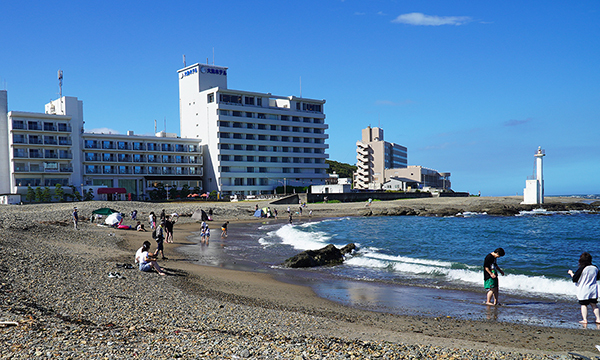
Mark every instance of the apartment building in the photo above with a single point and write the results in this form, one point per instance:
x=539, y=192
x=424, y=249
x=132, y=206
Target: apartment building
x=373, y=156
x=45, y=149
x=254, y=141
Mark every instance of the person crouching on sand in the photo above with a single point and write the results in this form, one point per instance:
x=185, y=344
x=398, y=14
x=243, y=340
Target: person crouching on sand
x=147, y=261
x=586, y=278
x=490, y=276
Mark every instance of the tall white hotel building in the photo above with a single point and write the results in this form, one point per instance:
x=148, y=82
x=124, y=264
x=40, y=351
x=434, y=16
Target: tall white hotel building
x=254, y=141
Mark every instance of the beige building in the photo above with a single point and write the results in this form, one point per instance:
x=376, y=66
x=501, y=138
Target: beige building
x=380, y=161
x=374, y=156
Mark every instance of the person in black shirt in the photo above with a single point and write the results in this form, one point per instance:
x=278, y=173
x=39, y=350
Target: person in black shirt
x=490, y=276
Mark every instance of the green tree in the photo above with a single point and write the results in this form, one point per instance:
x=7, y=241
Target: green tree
x=213, y=195
x=59, y=193
x=185, y=191
x=30, y=196
x=343, y=170
x=88, y=195
x=76, y=195
x=39, y=197
x=46, y=196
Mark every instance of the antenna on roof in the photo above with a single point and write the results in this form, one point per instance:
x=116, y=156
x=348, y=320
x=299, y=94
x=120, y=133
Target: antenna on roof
x=206, y=61
x=154, y=126
x=60, y=79
x=213, y=55
x=184, y=60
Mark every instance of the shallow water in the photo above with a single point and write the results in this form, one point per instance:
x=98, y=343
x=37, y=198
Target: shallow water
x=428, y=266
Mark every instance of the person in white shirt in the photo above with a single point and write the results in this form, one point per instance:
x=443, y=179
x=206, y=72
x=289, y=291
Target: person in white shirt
x=586, y=278
x=145, y=260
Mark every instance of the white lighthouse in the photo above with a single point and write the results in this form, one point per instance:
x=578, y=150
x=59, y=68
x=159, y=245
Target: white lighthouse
x=534, y=186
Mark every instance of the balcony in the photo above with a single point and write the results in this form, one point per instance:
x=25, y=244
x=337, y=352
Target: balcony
x=66, y=169
x=35, y=141
x=18, y=126
x=50, y=142
x=51, y=156
x=34, y=126
x=93, y=171
x=65, y=142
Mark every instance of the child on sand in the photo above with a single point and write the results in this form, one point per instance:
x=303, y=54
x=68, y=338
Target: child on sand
x=490, y=276
x=586, y=278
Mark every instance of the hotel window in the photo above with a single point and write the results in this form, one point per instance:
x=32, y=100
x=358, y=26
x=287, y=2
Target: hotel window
x=295, y=118
x=285, y=128
x=262, y=148
x=223, y=112
x=237, y=136
x=273, y=159
x=250, y=169
x=249, y=100
x=273, y=127
x=285, y=170
x=237, y=147
x=251, y=181
x=18, y=139
x=285, y=138
x=18, y=124
x=297, y=106
x=285, y=118
x=261, y=116
x=233, y=99
x=224, y=146
x=249, y=137
x=249, y=115
x=210, y=97
x=262, y=159
x=311, y=107
x=250, y=158
x=237, y=113
x=238, y=181
x=262, y=137
x=259, y=101
x=222, y=136
x=250, y=147
x=224, y=157
x=262, y=169
x=238, y=158
x=224, y=168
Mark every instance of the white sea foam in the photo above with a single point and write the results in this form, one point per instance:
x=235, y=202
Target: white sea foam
x=302, y=240
x=472, y=275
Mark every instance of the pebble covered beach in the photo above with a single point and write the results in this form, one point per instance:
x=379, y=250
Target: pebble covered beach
x=57, y=301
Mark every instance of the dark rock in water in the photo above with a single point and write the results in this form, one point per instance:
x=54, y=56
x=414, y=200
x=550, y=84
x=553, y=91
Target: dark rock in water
x=327, y=256
x=502, y=211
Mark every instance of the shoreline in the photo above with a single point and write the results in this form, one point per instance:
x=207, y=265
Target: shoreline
x=217, y=296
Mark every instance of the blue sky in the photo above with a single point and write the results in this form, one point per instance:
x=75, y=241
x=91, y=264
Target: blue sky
x=470, y=87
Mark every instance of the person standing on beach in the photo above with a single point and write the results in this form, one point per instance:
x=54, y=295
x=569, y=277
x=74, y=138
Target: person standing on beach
x=134, y=215
x=224, y=229
x=160, y=238
x=490, y=275
x=586, y=278
x=145, y=260
x=75, y=217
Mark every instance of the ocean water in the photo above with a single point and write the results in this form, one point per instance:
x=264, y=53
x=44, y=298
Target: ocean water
x=433, y=266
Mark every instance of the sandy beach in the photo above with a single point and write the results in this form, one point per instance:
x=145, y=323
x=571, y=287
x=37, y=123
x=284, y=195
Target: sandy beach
x=58, y=301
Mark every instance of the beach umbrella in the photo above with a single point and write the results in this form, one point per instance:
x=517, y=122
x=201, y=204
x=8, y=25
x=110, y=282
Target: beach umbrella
x=113, y=219
x=104, y=211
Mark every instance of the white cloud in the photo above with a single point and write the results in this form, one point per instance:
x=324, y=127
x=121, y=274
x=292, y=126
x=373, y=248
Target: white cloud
x=103, y=131
x=430, y=20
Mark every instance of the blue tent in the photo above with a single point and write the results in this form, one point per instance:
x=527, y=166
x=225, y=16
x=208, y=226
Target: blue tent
x=258, y=213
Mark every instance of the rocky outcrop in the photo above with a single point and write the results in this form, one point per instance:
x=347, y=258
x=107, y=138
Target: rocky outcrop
x=327, y=256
